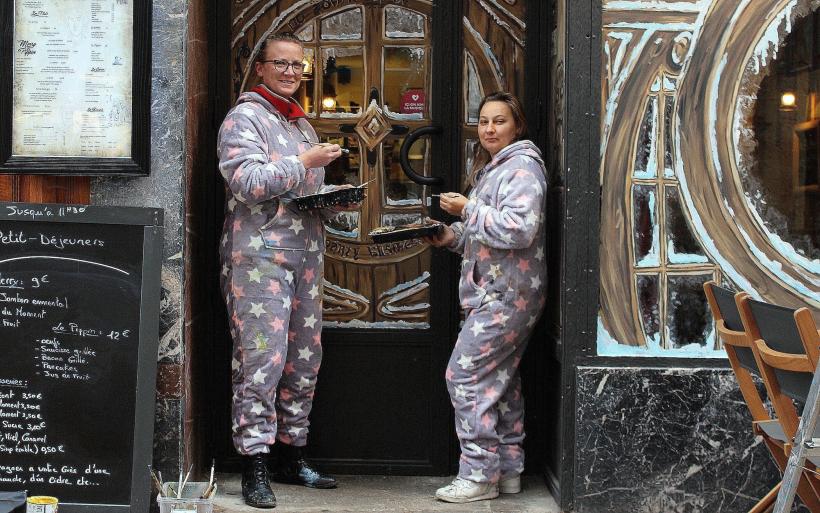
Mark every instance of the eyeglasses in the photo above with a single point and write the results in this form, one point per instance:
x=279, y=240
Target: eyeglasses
x=282, y=66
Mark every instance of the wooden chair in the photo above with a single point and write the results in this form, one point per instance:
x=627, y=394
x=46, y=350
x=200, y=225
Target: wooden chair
x=739, y=350
x=786, y=347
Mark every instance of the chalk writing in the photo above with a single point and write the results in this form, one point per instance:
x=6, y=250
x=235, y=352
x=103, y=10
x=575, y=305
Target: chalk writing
x=43, y=212
x=70, y=294
x=23, y=431
x=22, y=425
x=79, y=260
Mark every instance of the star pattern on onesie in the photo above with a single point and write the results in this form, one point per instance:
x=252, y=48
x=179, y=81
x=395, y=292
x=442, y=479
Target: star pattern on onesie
x=502, y=289
x=271, y=276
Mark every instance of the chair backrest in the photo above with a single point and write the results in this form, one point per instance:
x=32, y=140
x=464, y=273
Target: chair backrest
x=729, y=325
x=779, y=332
x=737, y=344
x=785, y=356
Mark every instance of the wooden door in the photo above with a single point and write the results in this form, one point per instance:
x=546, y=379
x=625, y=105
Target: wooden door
x=377, y=71
x=365, y=87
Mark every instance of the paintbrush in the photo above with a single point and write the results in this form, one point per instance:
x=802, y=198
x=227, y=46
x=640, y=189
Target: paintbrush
x=208, y=490
x=155, y=479
x=179, y=492
x=344, y=150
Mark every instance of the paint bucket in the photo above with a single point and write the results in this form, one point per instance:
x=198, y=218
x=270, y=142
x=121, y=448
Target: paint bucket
x=41, y=504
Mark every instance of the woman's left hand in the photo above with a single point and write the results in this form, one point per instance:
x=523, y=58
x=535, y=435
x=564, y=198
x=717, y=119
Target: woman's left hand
x=443, y=239
x=452, y=203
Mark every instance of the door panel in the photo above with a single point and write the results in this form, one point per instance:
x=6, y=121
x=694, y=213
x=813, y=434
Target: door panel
x=368, y=84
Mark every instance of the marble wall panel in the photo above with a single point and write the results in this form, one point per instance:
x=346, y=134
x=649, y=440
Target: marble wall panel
x=167, y=455
x=653, y=440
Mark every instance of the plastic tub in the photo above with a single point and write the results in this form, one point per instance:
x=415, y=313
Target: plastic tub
x=190, y=501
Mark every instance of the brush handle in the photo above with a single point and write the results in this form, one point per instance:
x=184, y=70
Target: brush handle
x=343, y=150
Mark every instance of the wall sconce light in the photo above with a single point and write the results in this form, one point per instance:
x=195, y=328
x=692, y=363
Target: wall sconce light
x=788, y=101
x=328, y=102
x=307, y=70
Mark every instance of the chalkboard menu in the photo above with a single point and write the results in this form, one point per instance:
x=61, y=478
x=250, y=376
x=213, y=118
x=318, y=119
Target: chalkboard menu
x=79, y=308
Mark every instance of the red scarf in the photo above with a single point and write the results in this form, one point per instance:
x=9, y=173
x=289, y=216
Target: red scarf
x=288, y=108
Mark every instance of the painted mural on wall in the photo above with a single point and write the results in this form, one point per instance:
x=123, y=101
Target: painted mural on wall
x=368, y=81
x=709, y=165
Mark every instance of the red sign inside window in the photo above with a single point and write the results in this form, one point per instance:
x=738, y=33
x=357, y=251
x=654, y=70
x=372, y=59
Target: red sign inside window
x=412, y=102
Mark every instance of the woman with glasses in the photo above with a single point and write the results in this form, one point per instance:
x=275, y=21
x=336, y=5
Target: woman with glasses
x=501, y=237
x=272, y=270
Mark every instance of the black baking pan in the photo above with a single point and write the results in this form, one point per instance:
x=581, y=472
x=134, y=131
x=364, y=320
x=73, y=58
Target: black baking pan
x=405, y=231
x=330, y=199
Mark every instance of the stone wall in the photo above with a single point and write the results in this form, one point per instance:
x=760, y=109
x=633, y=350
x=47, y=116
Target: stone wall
x=164, y=189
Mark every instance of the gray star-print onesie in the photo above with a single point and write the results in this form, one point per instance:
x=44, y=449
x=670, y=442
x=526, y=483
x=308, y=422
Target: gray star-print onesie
x=272, y=270
x=501, y=290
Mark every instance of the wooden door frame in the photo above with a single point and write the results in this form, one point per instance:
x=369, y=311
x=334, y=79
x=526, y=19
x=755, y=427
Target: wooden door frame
x=220, y=85
x=579, y=266
x=579, y=131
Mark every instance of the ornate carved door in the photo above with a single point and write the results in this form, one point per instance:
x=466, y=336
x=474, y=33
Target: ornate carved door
x=366, y=85
x=379, y=73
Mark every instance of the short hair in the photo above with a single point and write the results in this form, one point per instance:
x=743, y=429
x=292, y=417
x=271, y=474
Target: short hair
x=287, y=37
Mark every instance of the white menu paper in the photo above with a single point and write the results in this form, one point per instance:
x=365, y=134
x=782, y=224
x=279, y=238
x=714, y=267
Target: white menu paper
x=72, y=78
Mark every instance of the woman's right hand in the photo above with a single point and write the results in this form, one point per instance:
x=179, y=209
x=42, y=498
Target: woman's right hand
x=452, y=203
x=444, y=239
x=320, y=155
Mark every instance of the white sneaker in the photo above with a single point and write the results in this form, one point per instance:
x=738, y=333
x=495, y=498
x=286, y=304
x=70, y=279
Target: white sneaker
x=462, y=490
x=510, y=485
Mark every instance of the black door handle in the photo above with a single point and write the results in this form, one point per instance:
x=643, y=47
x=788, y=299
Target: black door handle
x=405, y=162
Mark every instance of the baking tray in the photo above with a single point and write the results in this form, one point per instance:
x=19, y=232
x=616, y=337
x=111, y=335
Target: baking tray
x=330, y=199
x=405, y=232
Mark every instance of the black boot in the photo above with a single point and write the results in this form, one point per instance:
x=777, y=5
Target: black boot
x=292, y=468
x=255, y=482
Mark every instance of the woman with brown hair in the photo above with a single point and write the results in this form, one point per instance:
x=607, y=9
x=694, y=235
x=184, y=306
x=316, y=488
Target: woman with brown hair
x=501, y=238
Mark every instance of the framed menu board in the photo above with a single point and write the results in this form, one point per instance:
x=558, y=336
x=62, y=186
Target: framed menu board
x=78, y=101
x=79, y=321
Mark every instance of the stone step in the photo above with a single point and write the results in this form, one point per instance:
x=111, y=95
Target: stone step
x=382, y=494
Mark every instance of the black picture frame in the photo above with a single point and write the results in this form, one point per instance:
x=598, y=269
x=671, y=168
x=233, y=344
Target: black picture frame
x=137, y=164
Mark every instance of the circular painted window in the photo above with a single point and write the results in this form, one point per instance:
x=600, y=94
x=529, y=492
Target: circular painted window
x=779, y=138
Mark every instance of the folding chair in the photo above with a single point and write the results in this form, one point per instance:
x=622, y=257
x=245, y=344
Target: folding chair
x=741, y=358
x=786, y=347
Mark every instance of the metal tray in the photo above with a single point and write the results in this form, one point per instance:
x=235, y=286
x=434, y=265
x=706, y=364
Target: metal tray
x=405, y=232
x=330, y=199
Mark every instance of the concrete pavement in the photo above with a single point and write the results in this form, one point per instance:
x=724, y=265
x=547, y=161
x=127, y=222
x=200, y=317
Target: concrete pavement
x=382, y=494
